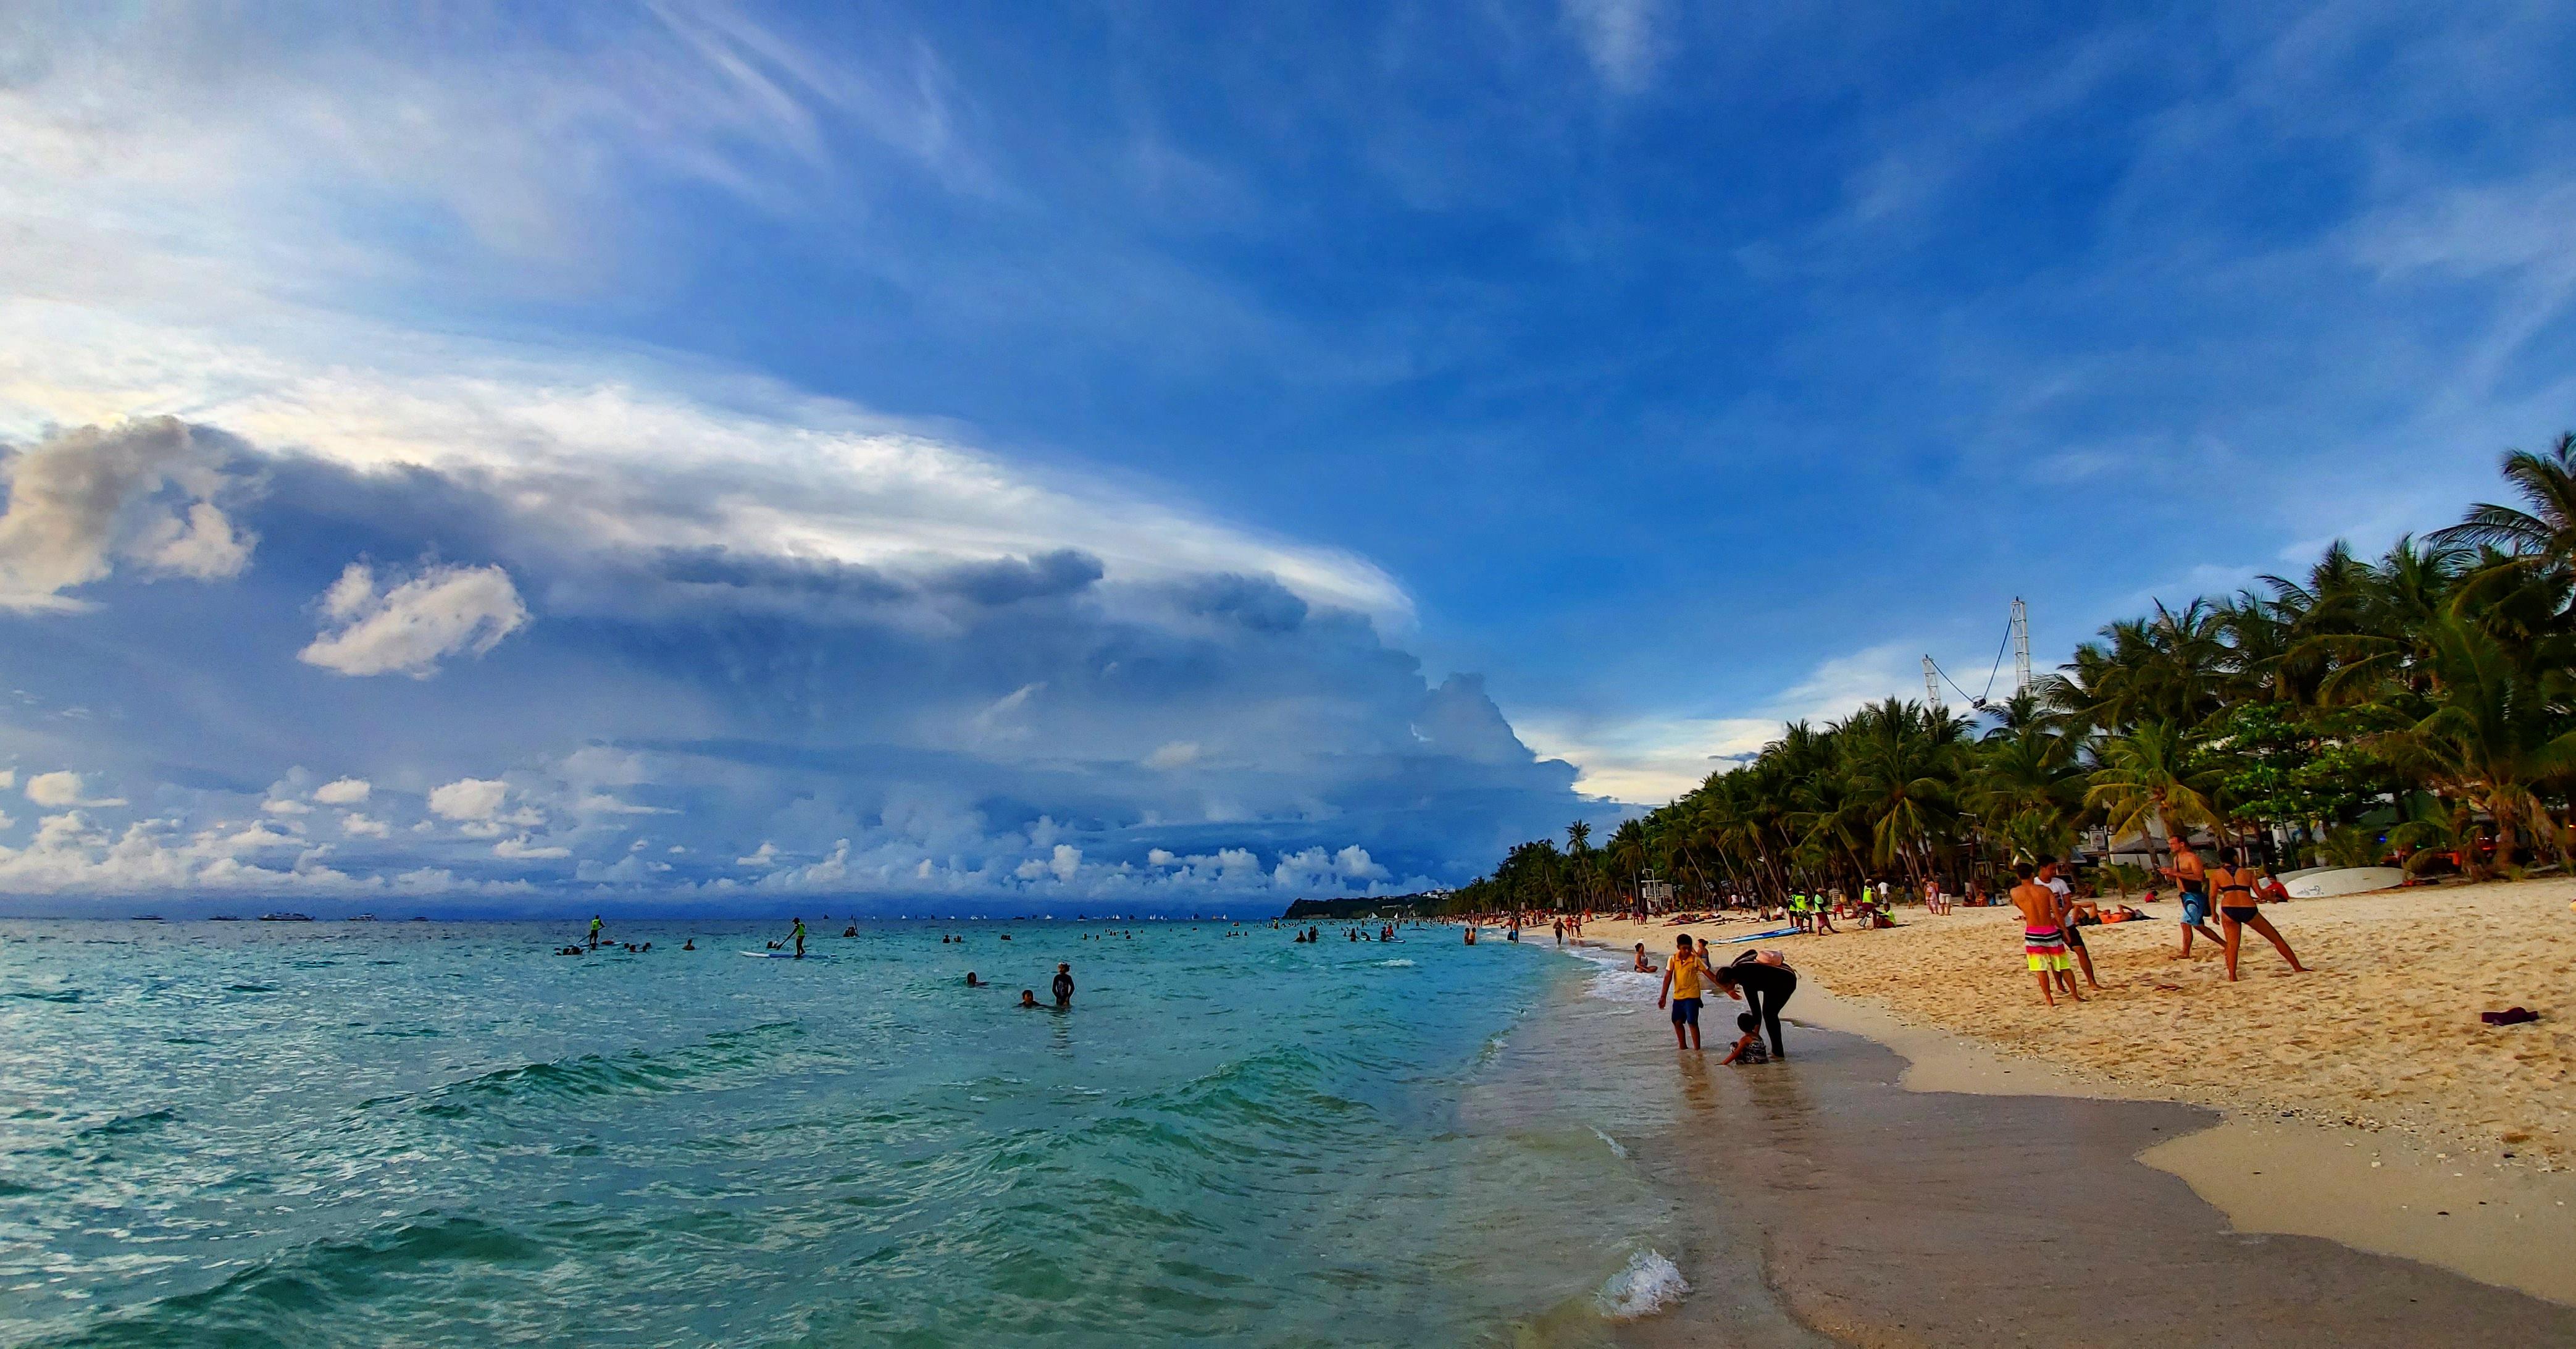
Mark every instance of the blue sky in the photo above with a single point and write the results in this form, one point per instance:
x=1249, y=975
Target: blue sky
x=1132, y=457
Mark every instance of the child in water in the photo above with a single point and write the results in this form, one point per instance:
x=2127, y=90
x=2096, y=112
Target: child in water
x=1749, y=1049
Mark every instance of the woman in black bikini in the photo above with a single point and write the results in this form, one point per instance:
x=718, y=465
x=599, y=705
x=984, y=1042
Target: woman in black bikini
x=2236, y=912
x=1765, y=988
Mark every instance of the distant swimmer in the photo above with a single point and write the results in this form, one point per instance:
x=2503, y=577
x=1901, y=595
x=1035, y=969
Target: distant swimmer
x=1028, y=997
x=690, y=945
x=972, y=981
x=851, y=931
x=1471, y=934
x=1063, y=985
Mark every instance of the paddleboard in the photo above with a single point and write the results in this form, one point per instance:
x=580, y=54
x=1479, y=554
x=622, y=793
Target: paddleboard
x=1758, y=936
x=768, y=955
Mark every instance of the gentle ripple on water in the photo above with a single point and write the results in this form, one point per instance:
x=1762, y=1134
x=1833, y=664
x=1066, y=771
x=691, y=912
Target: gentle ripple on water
x=442, y=1134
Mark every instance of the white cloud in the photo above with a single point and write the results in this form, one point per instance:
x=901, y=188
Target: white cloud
x=1177, y=754
x=416, y=624
x=468, y=798
x=519, y=849
x=343, y=792
x=56, y=790
x=83, y=498
x=8, y=778
x=591, y=447
x=1618, y=38
x=766, y=855
x=360, y=826
x=1647, y=760
x=1650, y=760
x=286, y=807
x=1161, y=857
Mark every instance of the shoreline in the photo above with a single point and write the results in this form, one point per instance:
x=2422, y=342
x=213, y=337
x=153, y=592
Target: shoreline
x=2353, y=1181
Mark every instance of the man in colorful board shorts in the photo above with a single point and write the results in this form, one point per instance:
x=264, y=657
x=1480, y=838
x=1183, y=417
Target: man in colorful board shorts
x=2043, y=936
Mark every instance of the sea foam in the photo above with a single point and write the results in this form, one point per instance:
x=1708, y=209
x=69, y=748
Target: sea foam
x=1647, y=1285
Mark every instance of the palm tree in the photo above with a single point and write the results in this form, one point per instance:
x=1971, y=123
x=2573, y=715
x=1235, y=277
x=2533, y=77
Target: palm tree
x=2148, y=777
x=2493, y=732
x=2543, y=535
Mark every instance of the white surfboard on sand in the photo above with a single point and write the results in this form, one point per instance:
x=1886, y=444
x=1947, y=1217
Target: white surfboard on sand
x=2327, y=882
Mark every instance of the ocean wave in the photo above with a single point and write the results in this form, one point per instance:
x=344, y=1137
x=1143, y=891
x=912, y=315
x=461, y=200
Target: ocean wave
x=597, y=1075
x=1648, y=1284
x=1615, y=1149
x=303, y=1295
x=1397, y=964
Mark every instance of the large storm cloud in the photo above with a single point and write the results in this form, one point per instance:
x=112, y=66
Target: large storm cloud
x=533, y=683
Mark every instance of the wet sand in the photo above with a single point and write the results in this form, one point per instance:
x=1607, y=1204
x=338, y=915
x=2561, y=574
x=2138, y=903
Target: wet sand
x=1895, y=1217
x=1831, y=1203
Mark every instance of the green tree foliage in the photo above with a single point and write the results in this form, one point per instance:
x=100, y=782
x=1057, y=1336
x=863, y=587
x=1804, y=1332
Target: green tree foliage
x=2434, y=687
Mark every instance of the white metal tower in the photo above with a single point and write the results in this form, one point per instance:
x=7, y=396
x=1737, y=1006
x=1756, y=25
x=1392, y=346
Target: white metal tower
x=1931, y=682
x=2021, y=646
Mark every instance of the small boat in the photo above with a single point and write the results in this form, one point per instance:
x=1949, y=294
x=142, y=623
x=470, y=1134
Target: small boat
x=286, y=918
x=224, y=918
x=147, y=918
x=360, y=918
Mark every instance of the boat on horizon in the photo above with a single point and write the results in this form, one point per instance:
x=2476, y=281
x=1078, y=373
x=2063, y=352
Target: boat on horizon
x=224, y=918
x=148, y=918
x=286, y=918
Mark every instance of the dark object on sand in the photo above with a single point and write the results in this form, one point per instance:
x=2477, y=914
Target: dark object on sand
x=2511, y=1016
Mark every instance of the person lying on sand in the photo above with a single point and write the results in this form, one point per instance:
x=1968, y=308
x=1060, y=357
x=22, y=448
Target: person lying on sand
x=2043, y=938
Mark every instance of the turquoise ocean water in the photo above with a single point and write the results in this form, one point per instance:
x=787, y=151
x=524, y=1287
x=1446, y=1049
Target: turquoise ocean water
x=407, y=1133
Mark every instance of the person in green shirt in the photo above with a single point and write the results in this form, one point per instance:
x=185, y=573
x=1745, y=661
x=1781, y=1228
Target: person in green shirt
x=594, y=931
x=798, y=936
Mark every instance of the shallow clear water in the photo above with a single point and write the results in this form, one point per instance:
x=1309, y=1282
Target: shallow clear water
x=444, y=1134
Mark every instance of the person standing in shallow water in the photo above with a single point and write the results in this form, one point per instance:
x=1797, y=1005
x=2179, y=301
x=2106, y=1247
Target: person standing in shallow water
x=1063, y=985
x=1682, y=976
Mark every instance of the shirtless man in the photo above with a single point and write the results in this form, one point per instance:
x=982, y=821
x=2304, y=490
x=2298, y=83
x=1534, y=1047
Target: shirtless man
x=2066, y=910
x=2193, y=877
x=2043, y=936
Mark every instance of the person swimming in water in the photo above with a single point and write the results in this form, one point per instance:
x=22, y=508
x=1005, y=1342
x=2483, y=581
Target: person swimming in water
x=971, y=981
x=1028, y=997
x=690, y=945
x=1063, y=985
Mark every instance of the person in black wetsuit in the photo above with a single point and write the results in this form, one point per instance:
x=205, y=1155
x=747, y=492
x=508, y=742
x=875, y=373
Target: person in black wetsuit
x=1766, y=988
x=1064, y=985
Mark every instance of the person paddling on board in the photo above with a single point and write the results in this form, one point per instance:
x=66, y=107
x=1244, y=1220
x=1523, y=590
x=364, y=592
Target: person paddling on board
x=595, y=925
x=798, y=936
